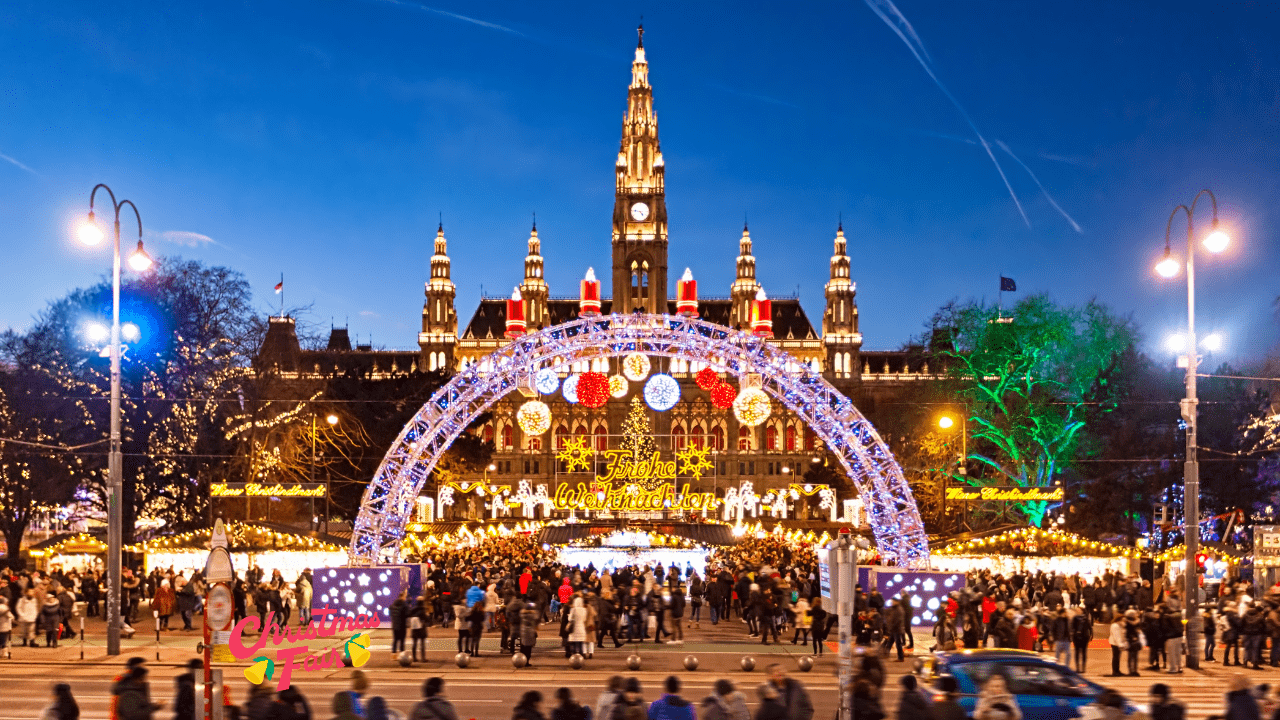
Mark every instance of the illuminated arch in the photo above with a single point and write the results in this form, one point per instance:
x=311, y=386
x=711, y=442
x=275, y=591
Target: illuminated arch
x=388, y=501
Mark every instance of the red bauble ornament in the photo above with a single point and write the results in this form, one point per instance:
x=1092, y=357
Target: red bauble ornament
x=593, y=389
x=707, y=378
x=723, y=395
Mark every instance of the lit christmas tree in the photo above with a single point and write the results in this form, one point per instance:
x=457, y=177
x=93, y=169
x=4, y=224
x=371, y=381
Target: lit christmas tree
x=637, y=436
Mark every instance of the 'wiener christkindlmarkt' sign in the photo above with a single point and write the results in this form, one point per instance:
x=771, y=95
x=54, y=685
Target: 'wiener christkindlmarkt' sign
x=1007, y=494
x=303, y=490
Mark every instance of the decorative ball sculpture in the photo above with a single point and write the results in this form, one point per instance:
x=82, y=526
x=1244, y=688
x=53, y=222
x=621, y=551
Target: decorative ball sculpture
x=519, y=660
x=748, y=663
x=662, y=392
x=752, y=407
x=462, y=660
x=690, y=663
x=723, y=395
x=546, y=381
x=636, y=366
x=569, y=389
x=593, y=389
x=633, y=662
x=806, y=663
x=576, y=662
x=618, y=386
x=707, y=378
x=534, y=417
x=404, y=659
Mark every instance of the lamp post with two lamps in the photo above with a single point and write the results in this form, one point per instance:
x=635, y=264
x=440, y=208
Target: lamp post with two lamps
x=91, y=234
x=332, y=420
x=1215, y=242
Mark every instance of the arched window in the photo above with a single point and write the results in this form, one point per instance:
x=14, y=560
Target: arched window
x=562, y=434
x=677, y=437
x=791, y=438
x=580, y=430
x=696, y=437
x=771, y=438
x=810, y=439
x=507, y=443
x=717, y=438
x=744, y=438
x=488, y=433
x=535, y=443
x=602, y=438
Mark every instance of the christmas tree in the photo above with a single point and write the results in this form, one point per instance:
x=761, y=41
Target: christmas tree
x=637, y=436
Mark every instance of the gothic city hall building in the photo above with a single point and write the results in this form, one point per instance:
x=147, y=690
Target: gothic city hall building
x=771, y=455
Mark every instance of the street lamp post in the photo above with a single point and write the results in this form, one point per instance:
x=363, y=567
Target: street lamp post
x=332, y=420
x=946, y=422
x=1168, y=267
x=90, y=234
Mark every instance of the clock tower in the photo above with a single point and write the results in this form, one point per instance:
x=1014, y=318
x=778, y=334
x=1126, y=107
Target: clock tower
x=640, y=210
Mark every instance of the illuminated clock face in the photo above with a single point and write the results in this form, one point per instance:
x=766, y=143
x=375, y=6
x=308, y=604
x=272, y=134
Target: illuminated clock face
x=640, y=211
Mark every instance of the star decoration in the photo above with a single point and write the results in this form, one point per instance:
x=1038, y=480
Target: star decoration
x=694, y=461
x=576, y=453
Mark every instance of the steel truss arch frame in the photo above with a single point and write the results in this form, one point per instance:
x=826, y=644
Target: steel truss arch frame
x=389, y=500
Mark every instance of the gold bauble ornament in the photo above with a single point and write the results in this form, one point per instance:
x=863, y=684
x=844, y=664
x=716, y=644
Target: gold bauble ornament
x=618, y=386
x=636, y=366
x=534, y=417
x=752, y=407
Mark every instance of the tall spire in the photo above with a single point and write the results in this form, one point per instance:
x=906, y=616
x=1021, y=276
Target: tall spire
x=744, y=288
x=534, y=287
x=439, y=319
x=640, y=157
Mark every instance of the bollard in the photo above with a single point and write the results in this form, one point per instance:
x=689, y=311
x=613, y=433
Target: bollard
x=81, y=638
x=157, y=614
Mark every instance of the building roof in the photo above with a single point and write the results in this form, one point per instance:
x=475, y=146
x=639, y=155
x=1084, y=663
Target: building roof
x=789, y=319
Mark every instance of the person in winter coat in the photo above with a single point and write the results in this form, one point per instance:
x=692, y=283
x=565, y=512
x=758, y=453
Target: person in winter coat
x=164, y=603
x=671, y=706
x=342, y=709
x=630, y=705
x=399, y=612
x=418, y=627
x=27, y=611
x=6, y=622
x=64, y=706
x=791, y=694
x=912, y=704
x=577, y=622
x=803, y=621
x=1241, y=705
x=302, y=590
x=675, y=610
x=771, y=708
x=1253, y=630
x=433, y=705
x=292, y=705
x=567, y=708
x=529, y=618
x=1081, y=630
x=529, y=707
x=184, y=692
x=725, y=703
x=476, y=620
x=511, y=633
x=51, y=620
x=995, y=702
x=609, y=697
x=260, y=705
x=133, y=696
x=866, y=706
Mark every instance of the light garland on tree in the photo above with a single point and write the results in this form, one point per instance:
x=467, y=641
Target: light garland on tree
x=707, y=378
x=752, y=407
x=569, y=389
x=546, y=381
x=593, y=389
x=662, y=392
x=534, y=417
x=723, y=395
x=618, y=386
x=636, y=366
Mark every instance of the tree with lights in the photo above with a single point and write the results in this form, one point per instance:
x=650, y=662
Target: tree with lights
x=1026, y=375
x=637, y=435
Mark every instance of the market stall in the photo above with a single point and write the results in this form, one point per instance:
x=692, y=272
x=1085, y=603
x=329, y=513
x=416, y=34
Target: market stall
x=1029, y=550
x=270, y=547
x=70, y=551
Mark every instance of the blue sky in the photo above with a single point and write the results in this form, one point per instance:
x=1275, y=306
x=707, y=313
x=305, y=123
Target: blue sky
x=322, y=139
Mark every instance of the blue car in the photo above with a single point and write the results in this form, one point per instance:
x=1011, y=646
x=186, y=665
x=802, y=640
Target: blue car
x=1045, y=690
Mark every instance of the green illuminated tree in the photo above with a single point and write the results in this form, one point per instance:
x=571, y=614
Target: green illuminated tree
x=1027, y=376
x=637, y=435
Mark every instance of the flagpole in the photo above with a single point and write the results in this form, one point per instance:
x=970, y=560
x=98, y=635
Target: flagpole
x=999, y=301
x=282, y=296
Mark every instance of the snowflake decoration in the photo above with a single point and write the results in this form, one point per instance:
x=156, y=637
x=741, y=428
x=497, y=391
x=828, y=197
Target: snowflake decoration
x=694, y=461
x=576, y=453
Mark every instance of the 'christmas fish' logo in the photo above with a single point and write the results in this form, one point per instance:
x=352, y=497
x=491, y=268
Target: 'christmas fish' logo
x=354, y=651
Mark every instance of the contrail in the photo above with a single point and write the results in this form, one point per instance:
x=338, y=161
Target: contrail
x=15, y=162
x=455, y=16
x=879, y=7
x=1049, y=197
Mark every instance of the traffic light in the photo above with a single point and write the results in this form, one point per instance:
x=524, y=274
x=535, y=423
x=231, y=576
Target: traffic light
x=1200, y=560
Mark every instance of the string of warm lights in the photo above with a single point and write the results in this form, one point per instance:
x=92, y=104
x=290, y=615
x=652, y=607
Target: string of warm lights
x=1075, y=542
x=240, y=536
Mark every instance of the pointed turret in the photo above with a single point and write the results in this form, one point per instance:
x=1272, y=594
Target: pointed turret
x=640, y=210
x=840, y=333
x=534, y=287
x=744, y=288
x=439, y=333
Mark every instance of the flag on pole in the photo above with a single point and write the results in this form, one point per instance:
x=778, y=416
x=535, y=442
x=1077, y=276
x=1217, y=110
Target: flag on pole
x=279, y=287
x=1007, y=284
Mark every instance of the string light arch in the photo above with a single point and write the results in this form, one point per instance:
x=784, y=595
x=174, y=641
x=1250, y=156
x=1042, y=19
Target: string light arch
x=389, y=499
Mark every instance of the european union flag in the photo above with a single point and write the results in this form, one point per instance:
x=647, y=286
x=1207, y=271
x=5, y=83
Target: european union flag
x=1007, y=284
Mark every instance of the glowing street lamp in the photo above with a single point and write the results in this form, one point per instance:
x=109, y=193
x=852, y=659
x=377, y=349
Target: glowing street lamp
x=1215, y=242
x=946, y=422
x=91, y=234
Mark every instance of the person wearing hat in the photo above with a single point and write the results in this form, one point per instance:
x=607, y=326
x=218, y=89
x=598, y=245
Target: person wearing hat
x=184, y=694
x=133, y=699
x=1134, y=639
x=117, y=685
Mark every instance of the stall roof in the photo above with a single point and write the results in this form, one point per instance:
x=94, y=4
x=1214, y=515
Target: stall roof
x=701, y=533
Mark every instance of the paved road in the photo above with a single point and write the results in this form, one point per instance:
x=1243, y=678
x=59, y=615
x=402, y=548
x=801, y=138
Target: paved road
x=490, y=686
